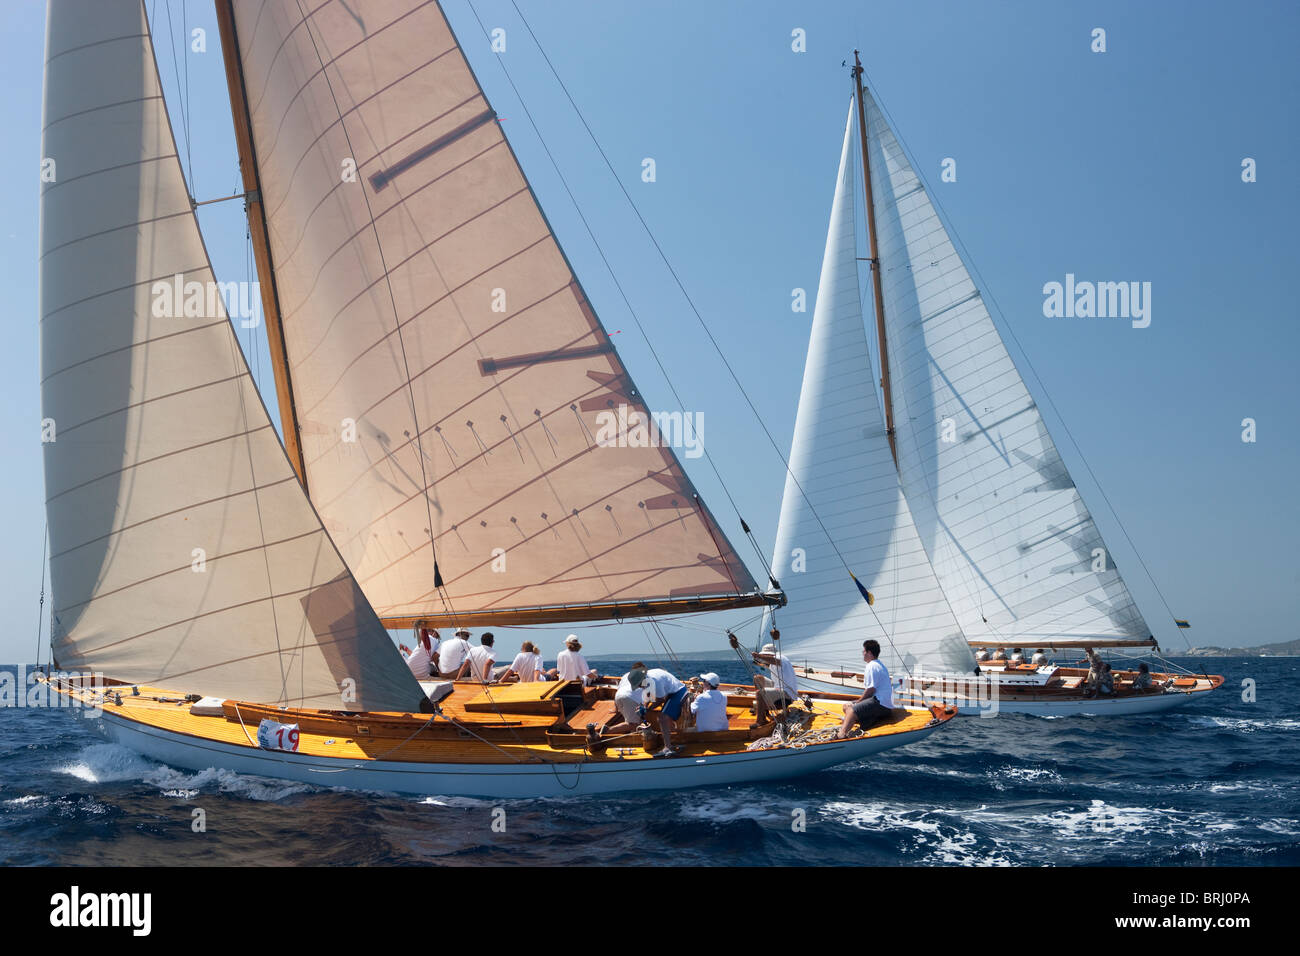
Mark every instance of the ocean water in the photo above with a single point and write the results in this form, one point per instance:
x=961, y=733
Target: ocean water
x=1214, y=783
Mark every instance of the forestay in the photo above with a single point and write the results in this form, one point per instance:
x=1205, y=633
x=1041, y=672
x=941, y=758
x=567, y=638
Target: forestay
x=183, y=551
x=451, y=379
x=840, y=458
x=1009, y=536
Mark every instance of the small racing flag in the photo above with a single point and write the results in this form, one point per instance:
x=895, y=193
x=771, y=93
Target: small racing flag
x=866, y=595
x=1181, y=623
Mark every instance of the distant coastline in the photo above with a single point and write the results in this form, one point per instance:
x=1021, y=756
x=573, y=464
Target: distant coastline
x=1283, y=649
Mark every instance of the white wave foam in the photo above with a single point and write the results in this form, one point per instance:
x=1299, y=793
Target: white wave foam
x=934, y=836
x=111, y=763
x=24, y=801
x=458, y=802
x=1289, y=828
x=107, y=763
x=718, y=809
x=1245, y=725
x=1104, y=821
x=1029, y=774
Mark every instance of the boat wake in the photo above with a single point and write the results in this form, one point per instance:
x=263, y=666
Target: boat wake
x=113, y=763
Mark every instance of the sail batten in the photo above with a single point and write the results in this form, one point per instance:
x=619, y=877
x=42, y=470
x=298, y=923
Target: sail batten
x=459, y=401
x=1014, y=546
x=183, y=552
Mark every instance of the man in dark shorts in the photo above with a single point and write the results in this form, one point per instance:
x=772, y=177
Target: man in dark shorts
x=877, y=700
x=661, y=686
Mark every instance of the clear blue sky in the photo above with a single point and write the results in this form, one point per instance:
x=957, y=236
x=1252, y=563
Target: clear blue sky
x=1123, y=165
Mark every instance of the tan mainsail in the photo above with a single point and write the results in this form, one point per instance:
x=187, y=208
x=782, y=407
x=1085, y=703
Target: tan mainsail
x=450, y=378
x=183, y=551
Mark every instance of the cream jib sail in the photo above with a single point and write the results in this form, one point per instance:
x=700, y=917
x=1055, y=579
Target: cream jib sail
x=449, y=378
x=183, y=550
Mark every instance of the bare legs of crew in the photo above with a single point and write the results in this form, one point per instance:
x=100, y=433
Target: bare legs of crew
x=850, y=719
x=666, y=726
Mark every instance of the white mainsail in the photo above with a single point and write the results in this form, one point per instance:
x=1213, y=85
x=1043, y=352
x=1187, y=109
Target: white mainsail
x=183, y=550
x=1014, y=547
x=842, y=474
x=450, y=379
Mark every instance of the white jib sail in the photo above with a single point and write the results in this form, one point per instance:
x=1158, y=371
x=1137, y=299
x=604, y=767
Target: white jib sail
x=183, y=550
x=840, y=458
x=1012, y=542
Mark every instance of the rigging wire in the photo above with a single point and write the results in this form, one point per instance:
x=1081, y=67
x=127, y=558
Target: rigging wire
x=183, y=91
x=690, y=302
x=40, y=614
x=985, y=289
x=188, y=115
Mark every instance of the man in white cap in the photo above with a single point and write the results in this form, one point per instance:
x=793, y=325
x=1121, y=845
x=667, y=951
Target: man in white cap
x=452, y=654
x=570, y=664
x=784, y=687
x=710, y=706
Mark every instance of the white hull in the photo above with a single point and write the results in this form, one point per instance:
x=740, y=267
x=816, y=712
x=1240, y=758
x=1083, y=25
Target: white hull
x=1070, y=707
x=505, y=781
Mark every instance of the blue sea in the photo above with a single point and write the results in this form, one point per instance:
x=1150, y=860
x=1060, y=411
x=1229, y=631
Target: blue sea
x=1215, y=783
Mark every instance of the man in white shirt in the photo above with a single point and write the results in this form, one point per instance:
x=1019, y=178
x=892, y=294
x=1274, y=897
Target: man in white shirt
x=877, y=700
x=627, y=702
x=452, y=654
x=479, y=660
x=1040, y=658
x=570, y=664
x=525, y=665
x=710, y=707
x=421, y=660
x=661, y=687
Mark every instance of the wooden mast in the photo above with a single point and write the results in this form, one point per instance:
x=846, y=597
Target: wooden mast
x=875, y=259
x=260, y=237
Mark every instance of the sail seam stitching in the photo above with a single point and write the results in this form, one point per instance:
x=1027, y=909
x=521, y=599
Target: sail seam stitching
x=170, y=514
x=121, y=288
x=209, y=559
x=156, y=458
x=133, y=345
x=149, y=401
x=100, y=108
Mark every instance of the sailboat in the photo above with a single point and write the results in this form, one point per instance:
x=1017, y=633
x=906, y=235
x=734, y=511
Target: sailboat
x=944, y=492
x=439, y=371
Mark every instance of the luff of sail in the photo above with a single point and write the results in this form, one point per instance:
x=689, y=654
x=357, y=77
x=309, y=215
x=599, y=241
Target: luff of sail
x=1012, y=542
x=842, y=475
x=183, y=551
x=451, y=380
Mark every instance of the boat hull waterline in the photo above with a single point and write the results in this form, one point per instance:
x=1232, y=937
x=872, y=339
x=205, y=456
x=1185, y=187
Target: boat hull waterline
x=504, y=780
x=507, y=741
x=986, y=702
